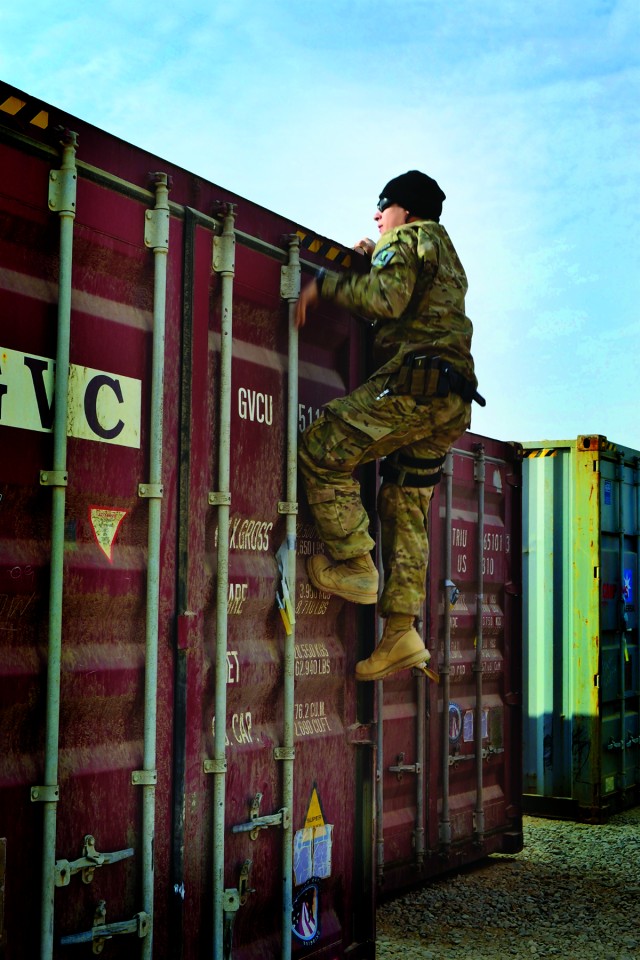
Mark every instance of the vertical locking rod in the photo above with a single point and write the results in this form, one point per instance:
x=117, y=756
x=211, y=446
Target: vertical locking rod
x=479, y=810
x=157, y=239
x=224, y=265
x=292, y=272
x=445, y=822
x=62, y=200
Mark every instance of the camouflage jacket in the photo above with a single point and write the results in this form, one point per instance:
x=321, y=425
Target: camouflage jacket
x=413, y=294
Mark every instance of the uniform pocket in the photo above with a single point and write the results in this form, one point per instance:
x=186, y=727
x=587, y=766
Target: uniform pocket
x=335, y=517
x=374, y=411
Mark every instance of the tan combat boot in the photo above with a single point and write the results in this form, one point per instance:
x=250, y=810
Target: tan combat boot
x=355, y=579
x=401, y=647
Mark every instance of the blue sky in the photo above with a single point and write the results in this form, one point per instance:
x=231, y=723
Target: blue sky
x=528, y=115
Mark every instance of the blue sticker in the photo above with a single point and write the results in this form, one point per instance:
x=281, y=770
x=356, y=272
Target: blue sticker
x=627, y=586
x=467, y=726
x=607, y=493
x=303, y=855
x=312, y=852
x=455, y=723
x=382, y=258
x=322, y=843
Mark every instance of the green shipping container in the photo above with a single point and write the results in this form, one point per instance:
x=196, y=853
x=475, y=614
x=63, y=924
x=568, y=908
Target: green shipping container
x=581, y=523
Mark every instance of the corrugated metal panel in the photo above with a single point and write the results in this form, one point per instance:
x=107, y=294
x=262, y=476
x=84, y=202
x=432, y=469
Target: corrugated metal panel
x=103, y=611
x=103, y=663
x=329, y=775
x=448, y=805
x=580, y=543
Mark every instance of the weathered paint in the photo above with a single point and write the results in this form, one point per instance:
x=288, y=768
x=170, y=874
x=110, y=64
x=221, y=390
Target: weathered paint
x=581, y=528
x=415, y=844
x=105, y=574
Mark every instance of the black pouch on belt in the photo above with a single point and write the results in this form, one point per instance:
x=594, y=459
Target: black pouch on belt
x=423, y=377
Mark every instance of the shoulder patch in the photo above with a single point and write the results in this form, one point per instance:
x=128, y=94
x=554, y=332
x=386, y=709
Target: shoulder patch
x=383, y=257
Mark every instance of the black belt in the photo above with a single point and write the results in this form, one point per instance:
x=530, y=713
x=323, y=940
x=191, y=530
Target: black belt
x=423, y=376
x=394, y=469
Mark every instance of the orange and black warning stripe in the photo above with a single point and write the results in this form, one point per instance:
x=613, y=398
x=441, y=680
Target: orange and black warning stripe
x=325, y=248
x=31, y=113
x=540, y=452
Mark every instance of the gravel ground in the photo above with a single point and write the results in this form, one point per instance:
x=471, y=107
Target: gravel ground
x=573, y=893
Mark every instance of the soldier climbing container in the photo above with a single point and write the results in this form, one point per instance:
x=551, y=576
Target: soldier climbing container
x=581, y=510
x=448, y=760
x=186, y=769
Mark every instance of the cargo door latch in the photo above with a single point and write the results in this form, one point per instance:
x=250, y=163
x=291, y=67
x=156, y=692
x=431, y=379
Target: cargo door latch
x=102, y=931
x=87, y=863
x=401, y=767
x=232, y=900
x=258, y=823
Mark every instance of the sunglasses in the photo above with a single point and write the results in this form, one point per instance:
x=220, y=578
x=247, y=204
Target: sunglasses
x=383, y=203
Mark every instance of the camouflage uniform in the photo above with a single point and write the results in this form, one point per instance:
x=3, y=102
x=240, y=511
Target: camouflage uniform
x=414, y=295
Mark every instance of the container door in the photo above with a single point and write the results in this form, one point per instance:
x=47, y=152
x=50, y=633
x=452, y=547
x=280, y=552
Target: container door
x=619, y=681
x=549, y=541
x=332, y=811
x=113, y=854
x=452, y=750
x=98, y=848
x=580, y=512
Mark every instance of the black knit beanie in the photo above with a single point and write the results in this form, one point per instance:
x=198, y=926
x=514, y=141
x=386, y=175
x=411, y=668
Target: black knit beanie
x=417, y=193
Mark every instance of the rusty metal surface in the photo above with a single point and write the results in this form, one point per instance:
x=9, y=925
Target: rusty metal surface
x=325, y=772
x=416, y=847
x=105, y=573
x=580, y=510
x=105, y=561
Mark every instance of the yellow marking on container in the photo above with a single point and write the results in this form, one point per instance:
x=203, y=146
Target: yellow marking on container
x=102, y=406
x=540, y=453
x=41, y=120
x=314, y=816
x=325, y=248
x=12, y=105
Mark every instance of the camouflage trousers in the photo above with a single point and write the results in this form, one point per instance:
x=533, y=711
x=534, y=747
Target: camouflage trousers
x=357, y=429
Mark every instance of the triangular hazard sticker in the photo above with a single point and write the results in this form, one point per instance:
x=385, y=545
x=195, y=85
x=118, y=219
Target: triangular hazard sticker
x=315, y=817
x=105, y=523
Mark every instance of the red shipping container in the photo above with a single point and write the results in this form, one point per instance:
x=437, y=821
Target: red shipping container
x=112, y=751
x=450, y=784
x=146, y=553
